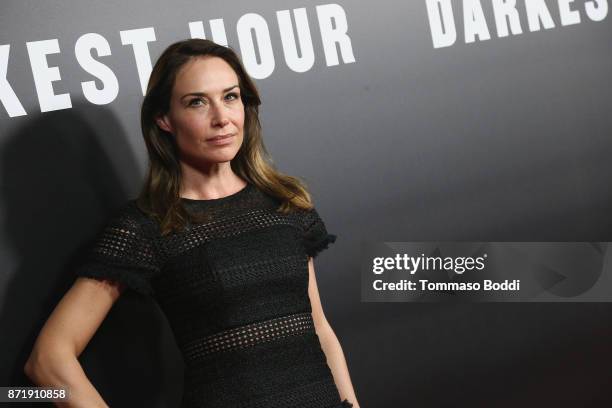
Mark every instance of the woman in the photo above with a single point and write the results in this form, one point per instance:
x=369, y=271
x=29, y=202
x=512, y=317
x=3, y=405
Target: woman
x=222, y=241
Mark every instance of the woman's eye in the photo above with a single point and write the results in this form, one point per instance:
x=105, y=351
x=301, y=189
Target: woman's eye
x=234, y=95
x=192, y=102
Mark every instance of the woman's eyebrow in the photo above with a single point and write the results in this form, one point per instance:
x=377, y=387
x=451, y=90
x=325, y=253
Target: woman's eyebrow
x=204, y=93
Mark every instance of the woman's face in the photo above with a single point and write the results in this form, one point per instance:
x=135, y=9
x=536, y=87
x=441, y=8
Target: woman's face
x=204, y=105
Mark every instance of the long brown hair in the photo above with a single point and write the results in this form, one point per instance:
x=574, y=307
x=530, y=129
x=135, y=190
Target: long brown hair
x=159, y=196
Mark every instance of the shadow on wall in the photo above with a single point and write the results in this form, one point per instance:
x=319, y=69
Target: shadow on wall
x=59, y=186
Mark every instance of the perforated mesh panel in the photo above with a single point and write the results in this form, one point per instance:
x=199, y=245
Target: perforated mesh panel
x=250, y=335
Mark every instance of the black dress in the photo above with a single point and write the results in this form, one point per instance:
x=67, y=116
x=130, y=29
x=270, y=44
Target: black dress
x=234, y=289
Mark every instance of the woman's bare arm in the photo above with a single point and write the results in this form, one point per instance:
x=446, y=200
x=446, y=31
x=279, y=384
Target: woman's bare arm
x=53, y=361
x=329, y=342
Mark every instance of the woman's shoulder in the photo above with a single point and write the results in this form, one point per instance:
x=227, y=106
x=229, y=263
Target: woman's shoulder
x=128, y=210
x=130, y=216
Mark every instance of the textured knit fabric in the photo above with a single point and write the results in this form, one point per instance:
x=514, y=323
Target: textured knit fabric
x=234, y=289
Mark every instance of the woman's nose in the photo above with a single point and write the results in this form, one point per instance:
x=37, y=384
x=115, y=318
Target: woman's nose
x=219, y=115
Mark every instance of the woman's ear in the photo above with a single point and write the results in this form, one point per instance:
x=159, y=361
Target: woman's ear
x=164, y=123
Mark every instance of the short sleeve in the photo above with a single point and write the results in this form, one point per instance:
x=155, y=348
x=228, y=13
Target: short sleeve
x=315, y=235
x=122, y=252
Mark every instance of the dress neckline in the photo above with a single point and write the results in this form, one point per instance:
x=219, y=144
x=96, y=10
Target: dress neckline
x=232, y=196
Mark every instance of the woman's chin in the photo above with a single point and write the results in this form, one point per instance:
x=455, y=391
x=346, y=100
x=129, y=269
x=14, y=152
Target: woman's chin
x=222, y=155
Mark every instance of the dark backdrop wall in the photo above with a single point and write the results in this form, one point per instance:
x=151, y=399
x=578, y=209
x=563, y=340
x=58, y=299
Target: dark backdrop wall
x=421, y=120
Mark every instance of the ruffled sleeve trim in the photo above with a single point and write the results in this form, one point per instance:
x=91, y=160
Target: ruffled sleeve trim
x=131, y=279
x=314, y=247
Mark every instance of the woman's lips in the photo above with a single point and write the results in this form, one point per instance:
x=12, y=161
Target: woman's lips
x=221, y=140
